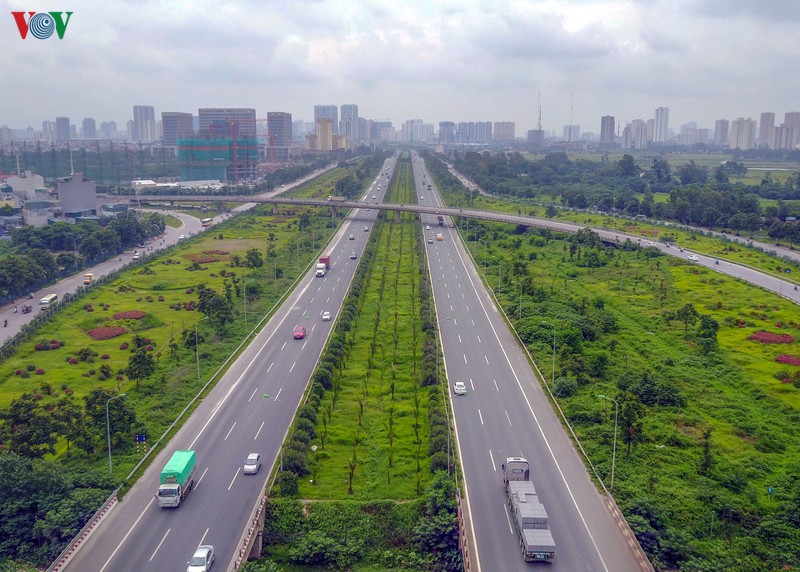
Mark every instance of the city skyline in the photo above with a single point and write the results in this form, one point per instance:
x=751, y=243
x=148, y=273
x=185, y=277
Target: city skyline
x=443, y=61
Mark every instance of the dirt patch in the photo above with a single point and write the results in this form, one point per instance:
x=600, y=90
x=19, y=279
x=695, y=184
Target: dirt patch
x=106, y=332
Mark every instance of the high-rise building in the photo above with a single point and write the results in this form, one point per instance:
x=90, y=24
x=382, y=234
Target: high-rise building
x=144, y=123
x=348, y=125
x=447, y=132
x=324, y=134
x=224, y=121
x=721, y=132
x=661, y=128
x=329, y=111
x=176, y=125
x=483, y=131
x=607, y=130
x=279, y=128
x=791, y=123
x=765, y=128
x=108, y=129
x=572, y=133
x=89, y=128
x=743, y=134
x=218, y=158
x=504, y=131
x=62, y=129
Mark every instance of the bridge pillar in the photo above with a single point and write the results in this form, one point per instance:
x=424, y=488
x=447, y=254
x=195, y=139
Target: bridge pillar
x=258, y=543
x=274, y=208
x=397, y=216
x=335, y=212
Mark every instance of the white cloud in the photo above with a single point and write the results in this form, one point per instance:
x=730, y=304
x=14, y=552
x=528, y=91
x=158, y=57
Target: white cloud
x=457, y=60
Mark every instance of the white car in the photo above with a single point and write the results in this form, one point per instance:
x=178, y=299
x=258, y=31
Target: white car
x=326, y=316
x=252, y=464
x=351, y=237
x=693, y=258
x=459, y=388
x=181, y=237
x=427, y=227
x=202, y=560
x=353, y=255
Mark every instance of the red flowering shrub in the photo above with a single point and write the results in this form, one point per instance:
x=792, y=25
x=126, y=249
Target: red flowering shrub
x=68, y=391
x=791, y=360
x=119, y=377
x=18, y=372
x=149, y=348
x=161, y=298
x=106, y=332
x=40, y=371
x=763, y=337
x=72, y=360
x=189, y=290
x=105, y=356
x=130, y=315
x=124, y=346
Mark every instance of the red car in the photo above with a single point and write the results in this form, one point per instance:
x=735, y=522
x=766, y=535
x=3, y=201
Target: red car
x=299, y=332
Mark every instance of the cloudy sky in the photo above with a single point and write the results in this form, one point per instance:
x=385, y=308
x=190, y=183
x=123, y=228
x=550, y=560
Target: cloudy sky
x=436, y=60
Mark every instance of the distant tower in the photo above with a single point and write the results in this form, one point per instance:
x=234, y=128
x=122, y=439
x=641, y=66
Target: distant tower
x=661, y=133
x=536, y=136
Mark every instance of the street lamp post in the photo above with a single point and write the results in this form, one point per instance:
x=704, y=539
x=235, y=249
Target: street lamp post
x=614, y=453
x=108, y=430
x=197, y=347
x=553, y=378
x=245, y=303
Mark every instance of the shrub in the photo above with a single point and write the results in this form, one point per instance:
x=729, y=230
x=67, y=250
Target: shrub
x=18, y=372
x=40, y=371
x=130, y=315
x=30, y=367
x=105, y=356
x=72, y=360
x=565, y=387
x=287, y=483
x=790, y=360
x=763, y=337
x=106, y=332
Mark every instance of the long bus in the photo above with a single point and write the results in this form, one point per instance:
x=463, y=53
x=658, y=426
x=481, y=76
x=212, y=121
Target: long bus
x=48, y=300
x=206, y=221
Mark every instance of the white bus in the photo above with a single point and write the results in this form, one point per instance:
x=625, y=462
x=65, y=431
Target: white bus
x=48, y=300
x=206, y=222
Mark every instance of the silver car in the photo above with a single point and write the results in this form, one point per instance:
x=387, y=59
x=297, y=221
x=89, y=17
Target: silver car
x=202, y=560
x=252, y=464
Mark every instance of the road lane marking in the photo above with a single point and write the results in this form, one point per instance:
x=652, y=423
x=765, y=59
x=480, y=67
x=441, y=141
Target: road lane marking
x=204, y=537
x=303, y=346
x=509, y=419
x=229, y=431
x=459, y=339
x=127, y=534
x=479, y=339
x=153, y=555
x=251, y=396
x=233, y=480
x=284, y=345
x=279, y=392
x=455, y=322
x=480, y=416
x=486, y=358
x=508, y=519
x=472, y=320
x=465, y=358
x=294, y=363
x=200, y=479
x=259, y=430
x=471, y=384
x=495, y=385
x=491, y=458
x=270, y=366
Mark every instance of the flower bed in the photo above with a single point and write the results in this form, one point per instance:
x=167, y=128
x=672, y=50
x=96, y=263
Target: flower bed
x=791, y=360
x=130, y=315
x=763, y=337
x=106, y=332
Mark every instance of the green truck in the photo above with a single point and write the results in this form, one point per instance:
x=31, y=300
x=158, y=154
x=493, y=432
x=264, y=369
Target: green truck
x=177, y=478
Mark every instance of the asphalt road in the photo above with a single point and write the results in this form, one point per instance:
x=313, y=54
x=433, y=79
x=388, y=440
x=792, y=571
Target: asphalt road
x=505, y=413
x=249, y=410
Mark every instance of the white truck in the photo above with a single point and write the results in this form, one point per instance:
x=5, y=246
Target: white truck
x=527, y=512
x=323, y=266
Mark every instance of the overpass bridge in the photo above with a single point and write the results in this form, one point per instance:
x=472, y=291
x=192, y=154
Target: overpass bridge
x=172, y=200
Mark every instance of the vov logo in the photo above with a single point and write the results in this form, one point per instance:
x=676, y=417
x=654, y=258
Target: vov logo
x=41, y=25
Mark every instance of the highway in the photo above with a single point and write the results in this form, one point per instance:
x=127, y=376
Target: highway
x=249, y=410
x=505, y=413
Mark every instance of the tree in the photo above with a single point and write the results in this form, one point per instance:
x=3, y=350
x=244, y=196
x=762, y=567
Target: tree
x=661, y=170
x=631, y=412
x=688, y=315
x=707, y=333
x=253, y=259
x=141, y=365
x=628, y=167
x=32, y=431
x=121, y=416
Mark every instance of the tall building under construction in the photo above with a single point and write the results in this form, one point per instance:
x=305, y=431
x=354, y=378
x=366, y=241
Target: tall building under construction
x=226, y=159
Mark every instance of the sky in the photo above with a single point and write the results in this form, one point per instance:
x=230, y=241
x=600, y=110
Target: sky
x=435, y=60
